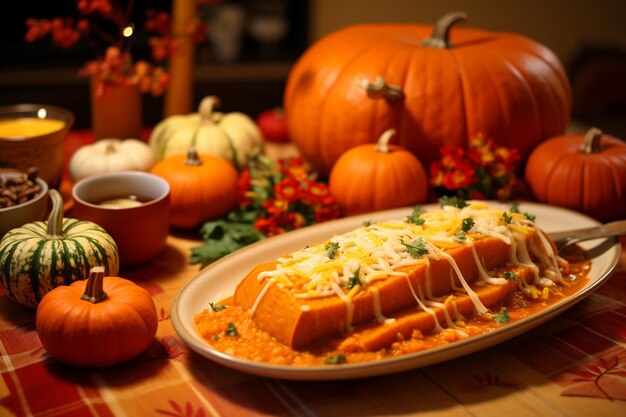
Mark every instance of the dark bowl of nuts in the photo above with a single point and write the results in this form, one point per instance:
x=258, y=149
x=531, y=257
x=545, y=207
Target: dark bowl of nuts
x=23, y=199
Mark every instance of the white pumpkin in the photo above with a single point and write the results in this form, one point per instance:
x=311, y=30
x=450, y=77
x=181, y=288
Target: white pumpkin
x=231, y=136
x=110, y=155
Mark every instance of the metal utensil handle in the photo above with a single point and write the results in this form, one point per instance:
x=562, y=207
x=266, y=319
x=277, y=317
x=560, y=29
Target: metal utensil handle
x=616, y=228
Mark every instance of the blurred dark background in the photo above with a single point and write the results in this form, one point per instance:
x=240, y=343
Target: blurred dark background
x=588, y=37
x=248, y=78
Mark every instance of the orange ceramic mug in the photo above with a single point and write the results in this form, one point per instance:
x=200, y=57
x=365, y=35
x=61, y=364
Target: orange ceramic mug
x=132, y=206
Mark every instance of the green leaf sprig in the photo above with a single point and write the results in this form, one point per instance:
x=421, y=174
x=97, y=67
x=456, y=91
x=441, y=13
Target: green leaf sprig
x=416, y=248
x=510, y=275
x=416, y=216
x=453, y=201
x=515, y=209
x=502, y=316
x=331, y=249
x=354, y=279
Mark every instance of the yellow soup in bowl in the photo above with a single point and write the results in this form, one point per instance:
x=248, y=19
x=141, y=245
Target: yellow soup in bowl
x=29, y=126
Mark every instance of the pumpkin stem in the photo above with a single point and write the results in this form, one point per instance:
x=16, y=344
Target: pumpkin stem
x=206, y=108
x=441, y=30
x=55, y=221
x=110, y=148
x=380, y=88
x=94, y=291
x=591, y=144
x=382, y=145
x=193, y=159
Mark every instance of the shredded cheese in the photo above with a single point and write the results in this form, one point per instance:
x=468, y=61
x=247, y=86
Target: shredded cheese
x=390, y=248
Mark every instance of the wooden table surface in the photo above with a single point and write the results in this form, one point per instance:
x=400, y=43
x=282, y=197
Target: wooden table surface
x=574, y=365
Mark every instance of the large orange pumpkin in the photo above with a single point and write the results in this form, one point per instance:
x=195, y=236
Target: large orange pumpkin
x=584, y=172
x=434, y=89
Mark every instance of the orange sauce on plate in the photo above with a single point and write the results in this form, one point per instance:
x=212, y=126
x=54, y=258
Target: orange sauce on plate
x=231, y=329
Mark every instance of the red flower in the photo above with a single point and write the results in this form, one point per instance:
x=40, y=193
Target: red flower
x=274, y=206
x=478, y=172
x=268, y=226
x=316, y=193
x=436, y=174
x=451, y=156
x=287, y=190
x=507, y=156
x=243, y=188
x=294, y=168
x=460, y=178
x=323, y=214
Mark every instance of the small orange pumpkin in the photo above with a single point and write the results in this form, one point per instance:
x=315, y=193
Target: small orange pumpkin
x=377, y=177
x=586, y=173
x=100, y=321
x=203, y=187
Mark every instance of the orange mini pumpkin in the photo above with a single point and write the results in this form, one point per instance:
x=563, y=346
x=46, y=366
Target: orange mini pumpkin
x=377, y=177
x=586, y=173
x=203, y=187
x=100, y=321
x=437, y=89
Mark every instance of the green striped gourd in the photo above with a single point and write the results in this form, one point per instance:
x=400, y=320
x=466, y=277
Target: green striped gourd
x=40, y=256
x=230, y=136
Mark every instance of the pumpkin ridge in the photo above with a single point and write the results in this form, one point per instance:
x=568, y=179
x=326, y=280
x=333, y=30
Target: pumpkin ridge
x=99, y=252
x=463, y=96
x=376, y=104
x=618, y=177
x=34, y=269
x=565, y=160
x=320, y=150
x=68, y=273
x=557, y=92
x=401, y=129
x=523, y=82
x=522, y=43
x=231, y=145
x=9, y=255
x=37, y=228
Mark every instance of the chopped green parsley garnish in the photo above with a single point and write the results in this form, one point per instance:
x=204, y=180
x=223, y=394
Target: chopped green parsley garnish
x=216, y=337
x=502, y=316
x=336, y=360
x=530, y=217
x=468, y=223
x=507, y=217
x=510, y=275
x=515, y=209
x=452, y=201
x=416, y=216
x=231, y=330
x=460, y=237
x=416, y=248
x=354, y=280
x=367, y=223
x=331, y=249
x=218, y=307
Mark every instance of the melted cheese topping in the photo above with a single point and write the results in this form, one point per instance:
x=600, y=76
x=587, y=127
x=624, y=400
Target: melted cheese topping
x=348, y=263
